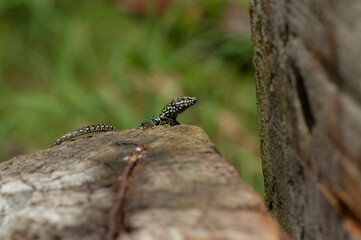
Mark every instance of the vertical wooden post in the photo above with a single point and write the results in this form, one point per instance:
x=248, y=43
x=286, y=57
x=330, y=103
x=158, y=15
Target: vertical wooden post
x=308, y=72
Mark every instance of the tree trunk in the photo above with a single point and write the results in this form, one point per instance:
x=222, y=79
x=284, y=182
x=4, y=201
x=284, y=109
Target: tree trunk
x=178, y=186
x=307, y=59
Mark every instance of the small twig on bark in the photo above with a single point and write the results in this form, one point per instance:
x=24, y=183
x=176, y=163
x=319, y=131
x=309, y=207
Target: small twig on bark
x=116, y=212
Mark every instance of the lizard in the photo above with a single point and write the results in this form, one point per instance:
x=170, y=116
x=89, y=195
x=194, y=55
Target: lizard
x=167, y=116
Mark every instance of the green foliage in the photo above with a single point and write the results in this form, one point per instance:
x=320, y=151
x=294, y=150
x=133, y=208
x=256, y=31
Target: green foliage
x=67, y=64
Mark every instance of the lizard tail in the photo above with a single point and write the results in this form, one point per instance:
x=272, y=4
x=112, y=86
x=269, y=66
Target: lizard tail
x=85, y=130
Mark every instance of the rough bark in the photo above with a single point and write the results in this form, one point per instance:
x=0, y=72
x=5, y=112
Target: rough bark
x=181, y=188
x=307, y=58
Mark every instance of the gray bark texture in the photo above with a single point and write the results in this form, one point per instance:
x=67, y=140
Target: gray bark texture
x=307, y=56
x=181, y=188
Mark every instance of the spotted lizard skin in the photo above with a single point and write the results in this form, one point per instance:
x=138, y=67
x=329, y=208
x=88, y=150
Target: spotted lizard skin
x=168, y=116
x=85, y=130
x=169, y=113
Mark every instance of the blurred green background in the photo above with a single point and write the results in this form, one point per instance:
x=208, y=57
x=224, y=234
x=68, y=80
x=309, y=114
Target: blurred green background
x=65, y=64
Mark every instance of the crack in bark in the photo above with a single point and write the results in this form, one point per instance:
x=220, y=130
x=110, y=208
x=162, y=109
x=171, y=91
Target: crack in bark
x=303, y=97
x=116, y=214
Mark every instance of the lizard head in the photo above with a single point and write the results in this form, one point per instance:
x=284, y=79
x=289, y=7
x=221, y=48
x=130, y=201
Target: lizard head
x=177, y=106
